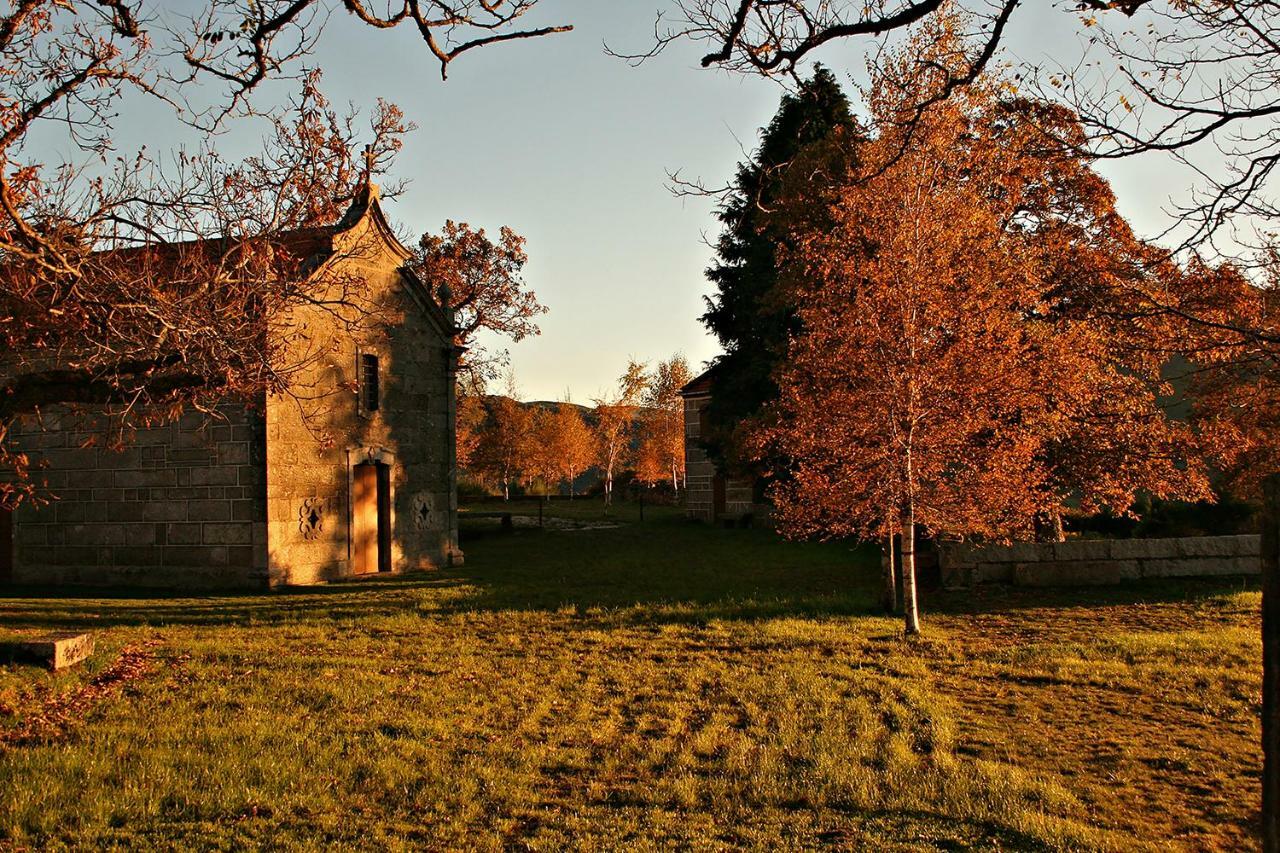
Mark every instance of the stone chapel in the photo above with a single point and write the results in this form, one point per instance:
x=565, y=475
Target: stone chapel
x=363, y=483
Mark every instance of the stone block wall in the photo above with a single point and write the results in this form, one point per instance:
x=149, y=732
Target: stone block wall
x=700, y=473
x=183, y=505
x=1089, y=562
x=698, y=469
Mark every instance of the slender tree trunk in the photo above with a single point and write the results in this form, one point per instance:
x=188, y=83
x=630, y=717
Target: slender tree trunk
x=911, y=616
x=1055, y=525
x=1271, y=667
x=889, y=589
x=1048, y=526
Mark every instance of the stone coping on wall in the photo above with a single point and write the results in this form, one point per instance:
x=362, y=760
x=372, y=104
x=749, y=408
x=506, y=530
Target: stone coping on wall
x=1092, y=562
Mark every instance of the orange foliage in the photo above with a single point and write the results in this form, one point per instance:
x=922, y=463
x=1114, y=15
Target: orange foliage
x=1234, y=337
x=956, y=368
x=615, y=422
x=661, y=453
x=502, y=449
x=482, y=282
x=470, y=428
x=573, y=445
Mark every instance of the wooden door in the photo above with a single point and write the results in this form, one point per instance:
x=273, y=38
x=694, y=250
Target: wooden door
x=364, y=519
x=6, y=546
x=384, y=518
x=717, y=496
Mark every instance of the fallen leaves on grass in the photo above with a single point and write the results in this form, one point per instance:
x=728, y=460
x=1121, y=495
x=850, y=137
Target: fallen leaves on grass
x=55, y=718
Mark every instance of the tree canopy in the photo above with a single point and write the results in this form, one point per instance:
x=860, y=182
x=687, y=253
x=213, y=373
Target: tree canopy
x=965, y=361
x=747, y=313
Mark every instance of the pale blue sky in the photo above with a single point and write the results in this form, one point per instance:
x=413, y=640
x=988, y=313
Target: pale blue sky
x=570, y=147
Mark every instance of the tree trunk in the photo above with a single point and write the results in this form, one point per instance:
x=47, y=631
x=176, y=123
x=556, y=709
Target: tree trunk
x=911, y=617
x=1048, y=526
x=1271, y=667
x=1055, y=525
x=608, y=487
x=889, y=589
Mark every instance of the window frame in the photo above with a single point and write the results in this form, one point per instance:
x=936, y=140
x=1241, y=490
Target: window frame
x=364, y=360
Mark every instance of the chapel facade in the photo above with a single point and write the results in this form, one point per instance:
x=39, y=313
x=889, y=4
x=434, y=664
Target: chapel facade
x=356, y=478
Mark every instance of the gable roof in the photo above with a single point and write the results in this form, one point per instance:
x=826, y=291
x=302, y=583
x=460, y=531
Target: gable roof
x=310, y=247
x=700, y=385
x=366, y=209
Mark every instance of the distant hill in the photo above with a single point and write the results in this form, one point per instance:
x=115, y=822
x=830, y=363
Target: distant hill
x=588, y=412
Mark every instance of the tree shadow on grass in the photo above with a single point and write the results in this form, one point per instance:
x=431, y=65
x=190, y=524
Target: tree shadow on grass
x=664, y=571
x=1003, y=598
x=86, y=607
x=667, y=571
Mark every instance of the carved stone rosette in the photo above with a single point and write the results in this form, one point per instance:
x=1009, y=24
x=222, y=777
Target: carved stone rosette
x=311, y=518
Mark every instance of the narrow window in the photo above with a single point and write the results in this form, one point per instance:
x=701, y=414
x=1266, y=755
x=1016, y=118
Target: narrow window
x=369, y=383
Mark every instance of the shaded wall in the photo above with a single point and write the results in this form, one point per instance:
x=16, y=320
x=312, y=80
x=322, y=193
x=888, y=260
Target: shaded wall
x=182, y=506
x=700, y=473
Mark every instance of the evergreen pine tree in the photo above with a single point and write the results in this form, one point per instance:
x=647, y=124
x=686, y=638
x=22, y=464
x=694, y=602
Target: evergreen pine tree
x=743, y=314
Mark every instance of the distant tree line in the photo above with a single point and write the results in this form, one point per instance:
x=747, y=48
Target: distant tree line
x=510, y=446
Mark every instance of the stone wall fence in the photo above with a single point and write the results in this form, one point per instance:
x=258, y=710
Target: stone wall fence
x=1094, y=562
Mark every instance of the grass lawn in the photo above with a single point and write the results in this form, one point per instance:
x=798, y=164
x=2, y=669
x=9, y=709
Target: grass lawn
x=646, y=686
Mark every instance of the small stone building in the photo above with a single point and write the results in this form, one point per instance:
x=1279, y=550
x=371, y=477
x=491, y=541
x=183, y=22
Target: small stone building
x=359, y=482
x=711, y=495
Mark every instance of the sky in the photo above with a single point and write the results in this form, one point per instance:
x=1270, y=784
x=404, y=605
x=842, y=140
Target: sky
x=572, y=147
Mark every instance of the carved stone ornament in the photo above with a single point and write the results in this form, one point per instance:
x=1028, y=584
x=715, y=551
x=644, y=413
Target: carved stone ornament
x=422, y=512
x=311, y=518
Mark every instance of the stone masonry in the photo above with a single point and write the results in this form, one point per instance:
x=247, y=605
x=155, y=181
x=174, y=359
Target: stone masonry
x=1091, y=562
x=183, y=504
x=702, y=479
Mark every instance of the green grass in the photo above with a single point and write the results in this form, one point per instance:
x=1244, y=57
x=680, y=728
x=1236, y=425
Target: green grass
x=581, y=508
x=649, y=686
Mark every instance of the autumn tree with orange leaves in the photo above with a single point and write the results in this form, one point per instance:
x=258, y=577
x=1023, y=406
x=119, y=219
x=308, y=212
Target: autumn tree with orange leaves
x=482, y=281
x=539, y=467
x=502, y=446
x=573, y=447
x=1235, y=374
x=946, y=362
x=615, y=420
x=660, y=456
x=469, y=429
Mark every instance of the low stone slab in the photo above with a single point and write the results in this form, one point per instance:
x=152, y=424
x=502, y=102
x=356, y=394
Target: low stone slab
x=1083, y=573
x=58, y=651
x=1081, y=549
